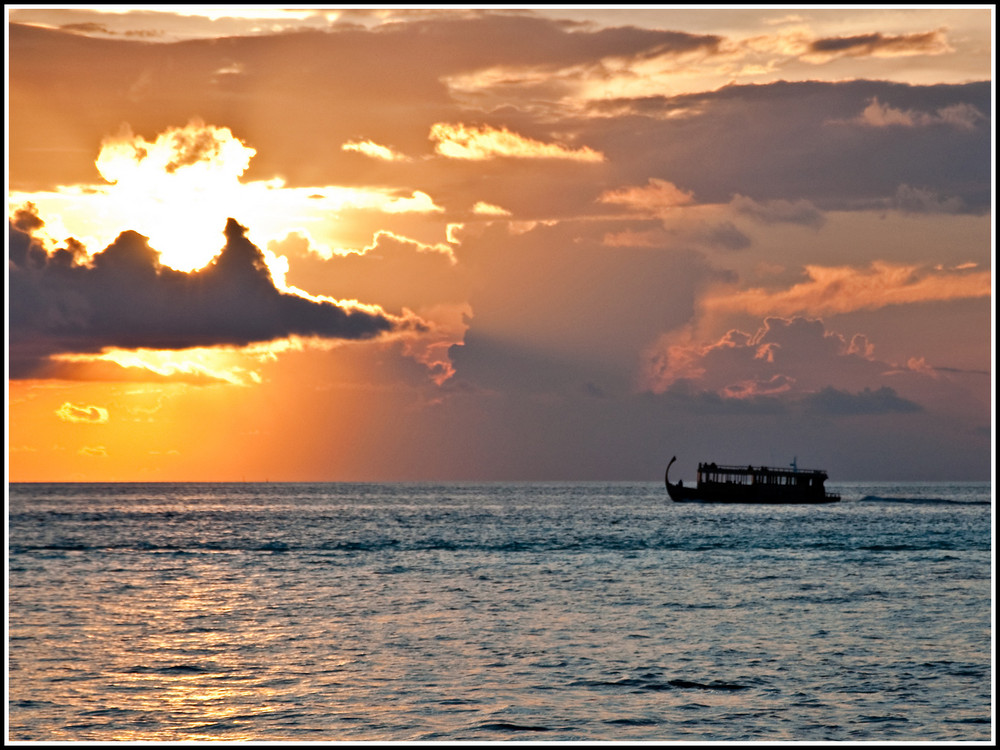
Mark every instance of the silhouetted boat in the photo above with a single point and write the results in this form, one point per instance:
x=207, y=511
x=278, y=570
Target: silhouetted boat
x=752, y=484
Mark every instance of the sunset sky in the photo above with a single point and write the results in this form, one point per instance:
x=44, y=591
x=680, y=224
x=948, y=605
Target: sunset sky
x=498, y=244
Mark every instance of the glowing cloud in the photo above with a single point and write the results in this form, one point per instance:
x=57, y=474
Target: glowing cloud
x=82, y=414
x=484, y=142
x=374, y=150
x=656, y=197
x=488, y=209
x=197, y=365
x=830, y=290
x=202, y=156
x=879, y=115
x=448, y=326
x=382, y=235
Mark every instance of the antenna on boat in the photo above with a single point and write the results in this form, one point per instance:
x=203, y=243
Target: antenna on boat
x=795, y=463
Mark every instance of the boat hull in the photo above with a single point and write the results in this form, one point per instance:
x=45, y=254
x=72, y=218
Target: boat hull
x=681, y=494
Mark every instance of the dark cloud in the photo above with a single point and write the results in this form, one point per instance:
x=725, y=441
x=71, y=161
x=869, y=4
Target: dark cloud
x=780, y=211
x=884, y=400
x=929, y=42
x=685, y=396
x=124, y=298
x=193, y=147
x=26, y=219
x=526, y=40
x=917, y=201
x=809, y=144
x=725, y=235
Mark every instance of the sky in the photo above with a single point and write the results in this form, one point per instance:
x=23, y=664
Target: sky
x=498, y=243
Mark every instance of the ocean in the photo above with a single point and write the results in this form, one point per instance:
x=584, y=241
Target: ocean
x=527, y=612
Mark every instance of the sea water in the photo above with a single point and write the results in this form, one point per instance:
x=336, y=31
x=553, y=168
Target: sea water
x=496, y=612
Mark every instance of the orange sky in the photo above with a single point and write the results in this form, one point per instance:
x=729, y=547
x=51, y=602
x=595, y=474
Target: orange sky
x=438, y=244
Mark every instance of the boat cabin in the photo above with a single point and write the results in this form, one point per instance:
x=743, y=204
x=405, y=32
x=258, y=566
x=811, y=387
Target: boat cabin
x=760, y=475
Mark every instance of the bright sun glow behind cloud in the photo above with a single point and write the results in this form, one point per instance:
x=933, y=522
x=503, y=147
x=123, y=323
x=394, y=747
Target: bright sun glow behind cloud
x=179, y=189
x=176, y=186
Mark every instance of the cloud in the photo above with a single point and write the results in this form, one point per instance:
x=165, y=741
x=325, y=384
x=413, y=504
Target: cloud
x=779, y=356
x=460, y=141
x=82, y=414
x=199, y=366
x=200, y=153
x=801, y=212
x=804, y=143
x=570, y=65
x=93, y=451
x=680, y=232
x=482, y=208
x=724, y=235
x=962, y=116
x=654, y=198
x=786, y=364
x=663, y=199
x=913, y=200
x=374, y=150
x=879, y=45
x=842, y=289
x=126, y=299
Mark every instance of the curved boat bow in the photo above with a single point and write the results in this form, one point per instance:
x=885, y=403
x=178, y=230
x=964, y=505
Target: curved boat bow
x=678, y=492
x=666, y=476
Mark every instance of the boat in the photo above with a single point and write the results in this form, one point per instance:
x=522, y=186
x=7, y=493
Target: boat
x=752, y=484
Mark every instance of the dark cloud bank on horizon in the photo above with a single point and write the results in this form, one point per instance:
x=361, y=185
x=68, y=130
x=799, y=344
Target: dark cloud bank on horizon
x=123, y=297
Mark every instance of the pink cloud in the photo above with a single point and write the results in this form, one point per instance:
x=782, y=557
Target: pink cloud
x=842, y=289
x=796, y=355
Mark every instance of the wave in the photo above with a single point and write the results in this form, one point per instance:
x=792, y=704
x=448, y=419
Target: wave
x=632, y=722
x=335, y=552
x=656, y=683
x=172, y=669
x=506, y=726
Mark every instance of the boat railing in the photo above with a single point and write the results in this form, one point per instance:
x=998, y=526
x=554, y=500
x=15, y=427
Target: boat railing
x=748, y=469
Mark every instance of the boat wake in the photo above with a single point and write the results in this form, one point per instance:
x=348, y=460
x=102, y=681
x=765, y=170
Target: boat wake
x=921, y=500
